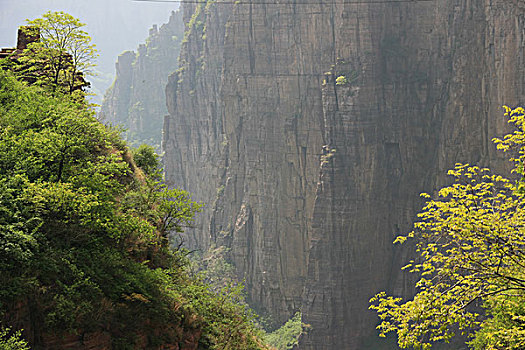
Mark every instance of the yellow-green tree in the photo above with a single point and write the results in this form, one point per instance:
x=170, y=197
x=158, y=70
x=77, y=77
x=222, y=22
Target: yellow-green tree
x=471, y=247
x=63, y=55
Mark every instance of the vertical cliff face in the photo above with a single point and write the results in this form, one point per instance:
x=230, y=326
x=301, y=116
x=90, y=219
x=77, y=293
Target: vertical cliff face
x=136, y=100
x=308, y=178
x=194, y=140
x=244, y=135
x=428, y=83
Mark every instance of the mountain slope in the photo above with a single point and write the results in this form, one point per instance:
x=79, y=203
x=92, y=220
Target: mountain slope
x=84, y=246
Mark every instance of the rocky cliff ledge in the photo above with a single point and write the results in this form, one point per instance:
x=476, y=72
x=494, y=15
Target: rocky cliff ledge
x=136, y=100
x=307, y=177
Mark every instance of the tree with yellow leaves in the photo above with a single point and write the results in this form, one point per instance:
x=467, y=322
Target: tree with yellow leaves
x=471, y=247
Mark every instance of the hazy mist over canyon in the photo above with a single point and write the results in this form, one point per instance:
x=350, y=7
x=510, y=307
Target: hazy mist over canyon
x=308, y=130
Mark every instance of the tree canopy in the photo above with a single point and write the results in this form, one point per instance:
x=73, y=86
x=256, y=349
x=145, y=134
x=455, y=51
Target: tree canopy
x=471, y=247
x=59, y=55
x=84, y=236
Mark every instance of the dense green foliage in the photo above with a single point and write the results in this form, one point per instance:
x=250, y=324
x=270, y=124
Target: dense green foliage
x=84, y=235
x=287, y=337
x=146, y=159
x=471, y=255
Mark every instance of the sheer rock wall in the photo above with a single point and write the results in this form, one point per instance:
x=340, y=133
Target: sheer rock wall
x=307, y=181
x=432, y=79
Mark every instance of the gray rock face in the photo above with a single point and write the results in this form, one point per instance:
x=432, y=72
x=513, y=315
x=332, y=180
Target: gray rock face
x=308, y=181
x=136, y=100
x=194, y=141
x=429, y=95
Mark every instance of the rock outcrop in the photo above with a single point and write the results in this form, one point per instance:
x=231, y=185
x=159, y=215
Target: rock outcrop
x=22, y=316
x=136, y=100
x=308, y=178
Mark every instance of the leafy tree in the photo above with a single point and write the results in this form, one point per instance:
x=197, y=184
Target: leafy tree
x=12, y=341
x=62, y=56
x=147, y=159
x=471, y=253
x=287, y=337
x=84, y=236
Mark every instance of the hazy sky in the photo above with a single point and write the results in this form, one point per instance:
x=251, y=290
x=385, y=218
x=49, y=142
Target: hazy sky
x=114, y=25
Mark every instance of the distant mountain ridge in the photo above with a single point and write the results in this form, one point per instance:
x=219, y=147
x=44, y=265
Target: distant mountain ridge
x=115, y=26
x=136, y=101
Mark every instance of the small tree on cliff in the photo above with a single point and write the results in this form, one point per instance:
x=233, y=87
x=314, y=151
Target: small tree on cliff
x=62, y=55
x=471, y=245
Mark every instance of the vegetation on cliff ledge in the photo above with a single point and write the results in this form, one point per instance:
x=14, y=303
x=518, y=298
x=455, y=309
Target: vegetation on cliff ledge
x=84, y=237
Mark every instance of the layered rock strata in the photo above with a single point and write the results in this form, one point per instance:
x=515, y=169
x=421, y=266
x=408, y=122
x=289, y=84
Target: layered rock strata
x=308, y=176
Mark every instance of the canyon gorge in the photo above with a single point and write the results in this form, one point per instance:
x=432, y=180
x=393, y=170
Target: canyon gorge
x=309, y=129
